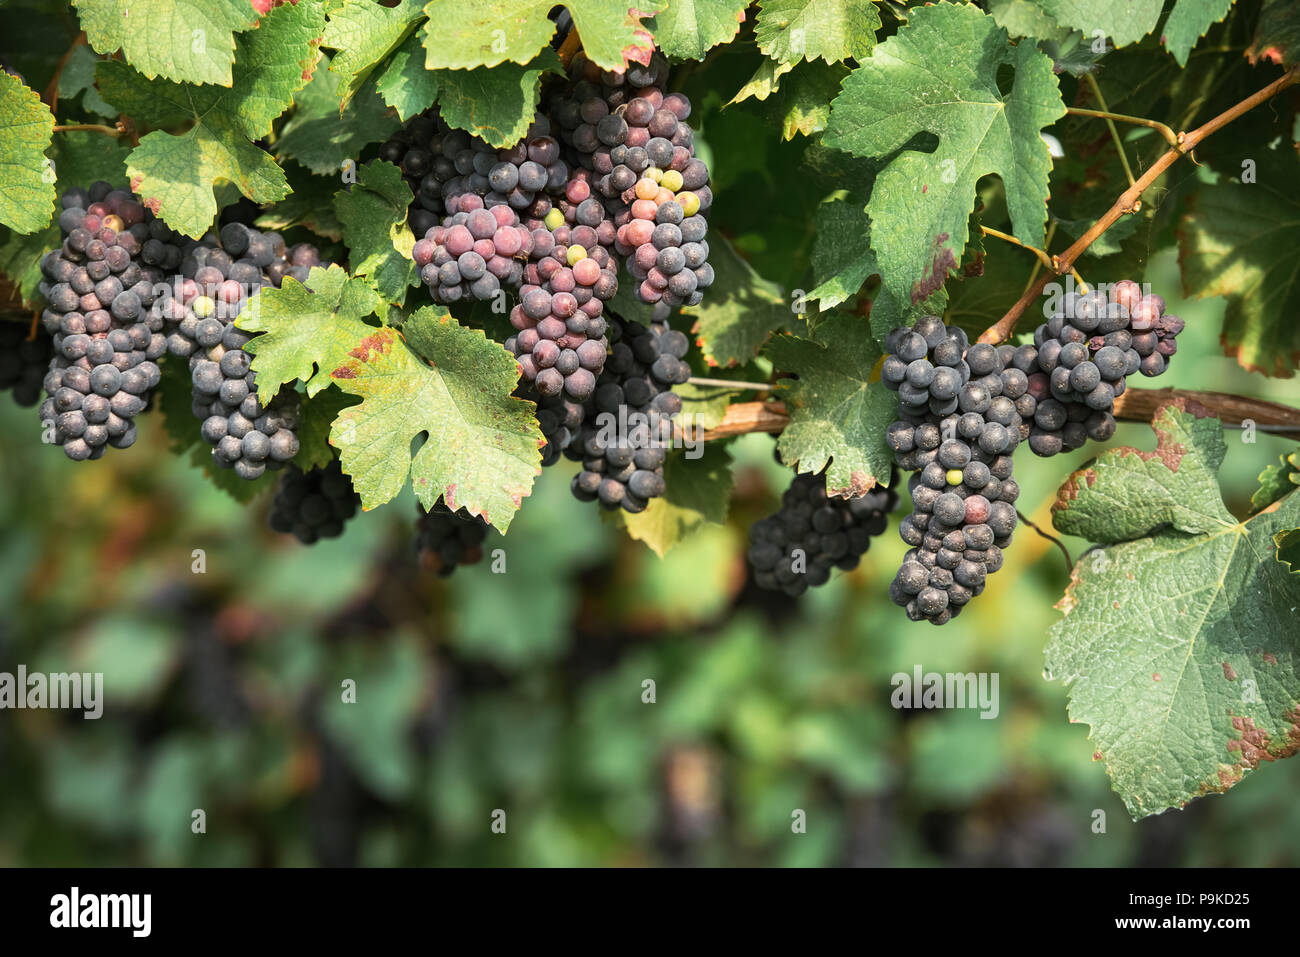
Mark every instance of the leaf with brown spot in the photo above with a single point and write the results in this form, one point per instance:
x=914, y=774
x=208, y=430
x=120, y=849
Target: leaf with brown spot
x=450, y=387
x=1180, y=699
x=1125, y=492
x=306, y=328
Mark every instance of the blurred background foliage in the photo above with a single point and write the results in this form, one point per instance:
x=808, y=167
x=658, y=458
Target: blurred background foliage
x=523, y=691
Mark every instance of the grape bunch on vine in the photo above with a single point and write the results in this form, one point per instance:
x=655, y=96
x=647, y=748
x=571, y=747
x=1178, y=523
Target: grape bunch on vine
x=345, y=248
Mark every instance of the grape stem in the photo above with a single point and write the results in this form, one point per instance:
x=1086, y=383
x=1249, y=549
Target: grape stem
x=1043, y=257
x=1135, y=405
x=1104, y=114
x=734, y=384
x=1114, y=133
x=112, y=131
x=51, y=96
x=1069, y=562
x=1129, y=201
x=1047, y=244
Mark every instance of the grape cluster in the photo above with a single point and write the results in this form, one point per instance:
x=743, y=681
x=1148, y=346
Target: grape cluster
x=1080, y=361
x=440, y=163
x=314, y=504
x=628, y=422
x=560, y=420
x=561, y=339
x=560, y=265
x=813, y=532
x=640, y=149
x=217, y=277
x=24, y=360
x=606, y=173
x=449, y=538
x=212, y=678
x=474, y=253
x=957, y=429
x=100, y=285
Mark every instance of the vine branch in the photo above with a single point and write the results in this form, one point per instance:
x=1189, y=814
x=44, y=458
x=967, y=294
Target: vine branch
x=112, y=131
x=1129, y=201
x=1166, y=131
x=735, y=385
x=1135, y=405
x=51, y=96
x=1043, y=257
x=1069, y=562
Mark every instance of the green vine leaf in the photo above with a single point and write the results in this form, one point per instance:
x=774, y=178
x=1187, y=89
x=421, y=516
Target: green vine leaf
x=698, y=493
x=308, y=328
x=1122, y=21
x=688, y=29
x=26, y=188
x=1178, y=644
x=765, y=81
x=324, y=141
x=741, y=310
x=365, y=33
x=496, y=104
x=800, y=102
x=189, y=41
x=834, y=30
x=1188, y=22
x=405, y=84
x=842, y=258
x=1234, y=242
x=464, y=34
x=1276, y=481
x=1126, y=493
x=804, y=101
x=373, y=213
x=939, y=76
x=452, y=385
x=175, y=174
x=837, y=415
x=314, y=423
x=1025, y=18
x=78, y=80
